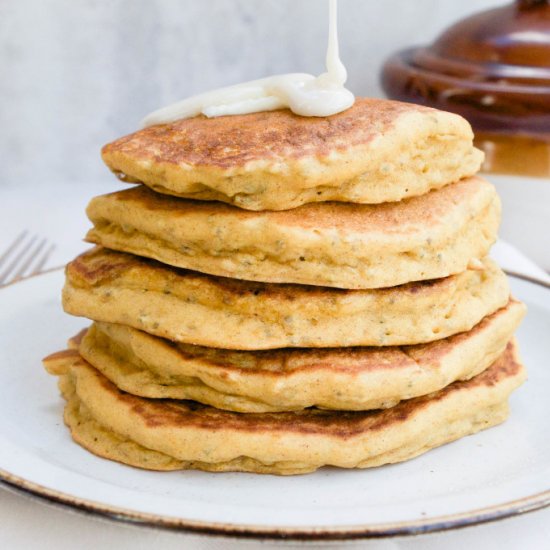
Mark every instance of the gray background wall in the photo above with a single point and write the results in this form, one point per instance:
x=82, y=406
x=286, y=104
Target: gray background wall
x=75, y=74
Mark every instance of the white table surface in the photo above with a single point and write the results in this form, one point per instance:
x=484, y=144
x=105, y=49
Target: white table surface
x=57, y=212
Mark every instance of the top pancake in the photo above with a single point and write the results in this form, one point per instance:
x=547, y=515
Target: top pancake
x=376, y=151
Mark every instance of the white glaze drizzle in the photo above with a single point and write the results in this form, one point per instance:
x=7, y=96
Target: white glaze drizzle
x=302, y=93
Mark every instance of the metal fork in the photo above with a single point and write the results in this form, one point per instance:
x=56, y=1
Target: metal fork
x=25, y=256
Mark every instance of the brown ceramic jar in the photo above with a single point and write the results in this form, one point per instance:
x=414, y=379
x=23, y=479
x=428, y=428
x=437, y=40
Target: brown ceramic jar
x=493, y=68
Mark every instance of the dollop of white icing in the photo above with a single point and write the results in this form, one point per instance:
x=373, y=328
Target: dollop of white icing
x=304, y=94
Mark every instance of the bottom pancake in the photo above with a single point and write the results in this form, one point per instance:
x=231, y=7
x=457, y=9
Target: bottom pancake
x=171, y=435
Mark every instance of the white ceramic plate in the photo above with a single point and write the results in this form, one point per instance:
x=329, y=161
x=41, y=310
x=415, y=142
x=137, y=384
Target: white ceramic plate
x=494, y=474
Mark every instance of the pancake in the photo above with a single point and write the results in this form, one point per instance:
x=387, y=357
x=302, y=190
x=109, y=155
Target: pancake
x=377, y=151
x=293, y=379
x=189, y=307
x=171, y=435
x=325, y=244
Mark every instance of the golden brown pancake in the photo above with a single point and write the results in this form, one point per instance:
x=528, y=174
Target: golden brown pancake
x=376, y=151
x=324, y=244
x=194, y=308
x=293, y=379
x=170, y=435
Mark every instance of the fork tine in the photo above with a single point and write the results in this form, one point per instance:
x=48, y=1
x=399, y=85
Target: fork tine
x=12, y=246
x=30, y=258
x=13, y=264
x=41, y=262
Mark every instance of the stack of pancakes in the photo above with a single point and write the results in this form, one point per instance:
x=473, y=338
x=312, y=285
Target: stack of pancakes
x=285, y=293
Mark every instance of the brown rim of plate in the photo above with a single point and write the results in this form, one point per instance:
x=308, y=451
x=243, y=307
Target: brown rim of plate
x=319, y=533
x=488, y=514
